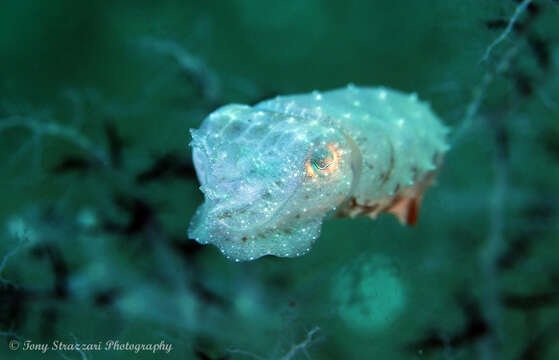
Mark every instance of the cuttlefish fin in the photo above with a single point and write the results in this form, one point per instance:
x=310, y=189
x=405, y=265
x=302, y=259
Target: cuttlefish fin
x=406, y=209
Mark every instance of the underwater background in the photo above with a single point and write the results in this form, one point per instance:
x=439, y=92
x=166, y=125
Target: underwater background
x=98, y=186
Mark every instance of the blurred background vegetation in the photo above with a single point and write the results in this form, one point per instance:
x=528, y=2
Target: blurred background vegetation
x=97, y=185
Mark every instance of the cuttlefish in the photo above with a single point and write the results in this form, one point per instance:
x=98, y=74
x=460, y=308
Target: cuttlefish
x=273, y=172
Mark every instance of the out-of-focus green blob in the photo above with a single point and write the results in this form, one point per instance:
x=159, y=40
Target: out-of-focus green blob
x=369, y=293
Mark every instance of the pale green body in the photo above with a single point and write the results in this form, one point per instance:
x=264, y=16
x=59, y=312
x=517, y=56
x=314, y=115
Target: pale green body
x=253, y=164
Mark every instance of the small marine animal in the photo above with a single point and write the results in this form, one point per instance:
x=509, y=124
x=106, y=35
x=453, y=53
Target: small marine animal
x=271, y=173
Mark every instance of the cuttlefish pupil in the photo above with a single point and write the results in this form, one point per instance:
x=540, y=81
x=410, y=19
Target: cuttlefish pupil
x=323, y=159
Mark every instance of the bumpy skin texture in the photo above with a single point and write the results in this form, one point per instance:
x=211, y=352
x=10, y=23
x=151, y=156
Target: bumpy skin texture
x=271, y=173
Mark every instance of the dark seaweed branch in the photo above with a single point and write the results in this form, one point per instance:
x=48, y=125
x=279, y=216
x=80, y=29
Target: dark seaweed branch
x=169, y=165
x=475, y=329
x=537, y=348
x=76, y=164
x=540, y=49
x=13, y=302
x=531, y=301
x=116, y=144
x=208, y=296
x=517, y=250
x=106, y=297
x=58, y=266
x=141, y=216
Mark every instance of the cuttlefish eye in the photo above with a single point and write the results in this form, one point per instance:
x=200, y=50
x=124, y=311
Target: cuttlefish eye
x=322, y=161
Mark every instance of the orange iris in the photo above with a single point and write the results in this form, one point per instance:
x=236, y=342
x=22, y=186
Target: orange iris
x=323, y=161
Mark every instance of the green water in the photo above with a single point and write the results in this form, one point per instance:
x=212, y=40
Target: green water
x=97, y=185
